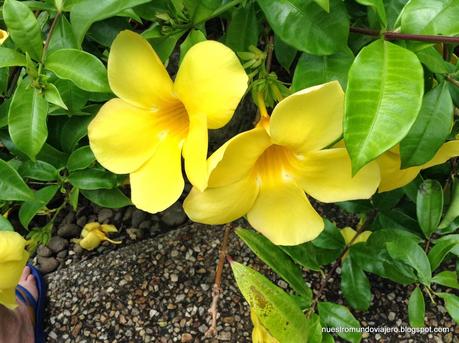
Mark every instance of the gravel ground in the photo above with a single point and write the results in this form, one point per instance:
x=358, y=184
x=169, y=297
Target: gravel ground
x=159, y=290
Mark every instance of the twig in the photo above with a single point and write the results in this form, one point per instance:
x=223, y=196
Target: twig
x=269, y=53
x=452, y=80
x=48, y=37
x=216, y=289
x=389, y=35
x=369, y=220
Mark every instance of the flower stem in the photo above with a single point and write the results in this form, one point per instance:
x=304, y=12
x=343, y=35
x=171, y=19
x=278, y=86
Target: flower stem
x=48, y=37
x=390, y=35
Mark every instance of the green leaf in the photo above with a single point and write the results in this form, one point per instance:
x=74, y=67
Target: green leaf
x=285, y=54
x=338, y=316
x=325, y=4
x=373, y=124
x=74, y=97
x=330, y=237
x=27, y=119
x=29, y=209
x=23, y=27
x=201, y=10
x=393, y=10
x=80, y=67
x=431, y=128
x=86, y=12
x=12, y=187
x=242, y=30
x=378, y=6
x=453, y=210
x=63, y=36
x=81, y=158
x=431, y=17
x=314, y=70
x=38, y=170
x=355, y=285
x=195, y=36
x=111, y=198
x=73, y=130
x=429, y=206
x=433, y=60
x=276, y=310
x=440, y=250
x=92, y=179
x=10, y=57
x=5, y=224
x=446, y=278
x=303, y=254
x=451, y=304
x=293, y=20
x=53, y=96
x=53, y=156
x=276, y=259
x=416, y=309
x=410, y=253
x=164, y=46
x=74, y=196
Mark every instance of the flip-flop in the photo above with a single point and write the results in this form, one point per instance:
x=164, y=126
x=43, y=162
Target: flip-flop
x=36, y=306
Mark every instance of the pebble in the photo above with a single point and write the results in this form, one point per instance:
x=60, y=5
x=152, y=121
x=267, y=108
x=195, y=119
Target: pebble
x=135, y=233
x=174, y=277
x=137, y=217
x=82, y=221
x=391, y=316
x=174, y=215
x=104, y=215
x=186, y=337
x=57, y=244
x=69, y=231
x=47, y=264
x=44, y=251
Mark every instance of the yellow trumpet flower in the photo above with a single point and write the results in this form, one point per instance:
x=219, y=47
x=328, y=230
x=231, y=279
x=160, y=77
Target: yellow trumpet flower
x=155, y=121
x=94, y=233
x=265, y=172
x=393, y=177
x=13, y=258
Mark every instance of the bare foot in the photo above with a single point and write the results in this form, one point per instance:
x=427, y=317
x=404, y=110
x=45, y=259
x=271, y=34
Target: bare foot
x=27, y=281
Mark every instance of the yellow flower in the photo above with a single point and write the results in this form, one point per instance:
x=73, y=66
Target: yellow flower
x=155, y=121
x=94, y=233
x=349, y=233
x=392, y=176
x=3, y=36
x=13, y=258
x=264, y=172
x=259, y=333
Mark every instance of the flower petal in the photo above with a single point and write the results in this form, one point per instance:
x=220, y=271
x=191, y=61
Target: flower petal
x=310, y=119
x=8, y=297
x=136, y=74
x=223, y=204
x=195, y=152
x=122, y=136
x=448, y=150
x=235, y=159
x=326, y=175
x=284, y=215
x=159, y=182
x=392, y=177
x=211, y=81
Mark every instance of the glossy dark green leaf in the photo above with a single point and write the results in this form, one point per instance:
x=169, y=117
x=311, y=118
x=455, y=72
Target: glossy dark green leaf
x=164, y=46
x=355, y=285
x=243, y=28
x=293, y=20
x=373, y=124
x=111, y=198
x=325, y=4
x=431, y=128
x=23, y=27
x=314, y=70
x=73, y=130
x=338, y=316
x=275, y=258
x=29, y=209
x=27, y=119
x=410, y=253
x=81, y=158
x=80, y=67
x=378, y=6
x=74, y=195
x=433, y=60
x=194, y=36
x=429, y=206
x=276, y=310
x=12, y=187
x=10, y=57
x=38, y=170
x=86, y=12
x=104, y=32
x=72, y=96
x=446, y=278
x=92, y=179
x=53, y=96
x=63, y=36
x=393, y=10
x=201, y=10
x=451, y=304
x=303, y=254
x=53, y=156
x=416, y=309
x=329, y=238
x=5, y=224
x=285, y=54
x=453, y=210
x=441, y=249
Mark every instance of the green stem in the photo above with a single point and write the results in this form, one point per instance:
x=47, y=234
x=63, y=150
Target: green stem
x=452, y=80
x=48, y=39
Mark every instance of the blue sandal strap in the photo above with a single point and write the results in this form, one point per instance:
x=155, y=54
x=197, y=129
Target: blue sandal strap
x=30, y=299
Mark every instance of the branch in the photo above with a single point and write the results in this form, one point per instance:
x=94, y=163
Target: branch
x=216, y=289
x=389, y=35
x=452, y=80
x=48, y=37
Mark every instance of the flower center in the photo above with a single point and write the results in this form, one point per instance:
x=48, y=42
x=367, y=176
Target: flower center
x=277, y=163
x=172, y=120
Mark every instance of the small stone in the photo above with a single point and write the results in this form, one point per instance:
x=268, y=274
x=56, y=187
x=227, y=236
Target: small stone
x=137, y=217
x=224, y=336
x=202, y=328
x=135, y=233
x=391, y=316
x=62, y=254
x=282, y=284
x=205, y=287
x=391, y=296
x=57, y=244
x=174, y=253
x=47, y=264
x=174, y=277
x=228, y=320
x=145, y=225
x=171, y=307
x=104, y=215
x=44, y=251
x=81, y=221
x=186, y=337
x=69, y=231
x=174, y=215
